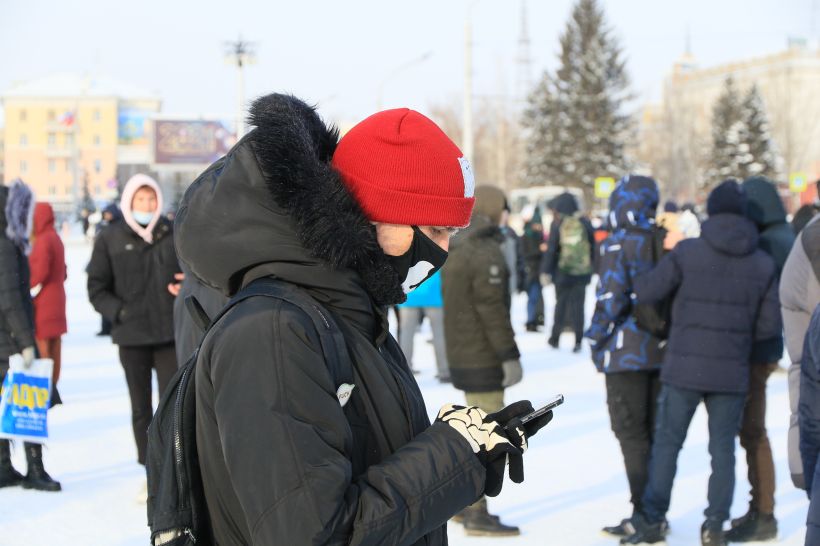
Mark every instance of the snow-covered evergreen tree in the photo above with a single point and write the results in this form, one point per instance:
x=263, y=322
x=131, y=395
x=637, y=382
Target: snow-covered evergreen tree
x=759, y=157
x=741, y=143
x=727, y=133
x=576, y=125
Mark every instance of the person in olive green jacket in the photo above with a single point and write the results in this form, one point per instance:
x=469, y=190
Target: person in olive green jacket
x=478, y=333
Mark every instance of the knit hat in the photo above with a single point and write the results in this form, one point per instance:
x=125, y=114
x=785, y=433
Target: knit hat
x=670, y=206
x=490, y=202
x=134, y=183
x=403, y=169
x=727, y=198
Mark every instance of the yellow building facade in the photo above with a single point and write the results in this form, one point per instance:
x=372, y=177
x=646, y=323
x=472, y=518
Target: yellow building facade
x=61, y=135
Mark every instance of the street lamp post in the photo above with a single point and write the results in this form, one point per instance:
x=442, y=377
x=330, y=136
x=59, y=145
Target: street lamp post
x=467, y=135
x=240, y=53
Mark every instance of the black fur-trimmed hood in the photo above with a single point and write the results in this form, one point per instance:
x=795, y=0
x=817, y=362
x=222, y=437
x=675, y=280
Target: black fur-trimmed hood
x=275, y=203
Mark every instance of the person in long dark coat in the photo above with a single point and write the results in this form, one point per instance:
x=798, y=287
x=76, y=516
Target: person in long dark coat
x=17, y=320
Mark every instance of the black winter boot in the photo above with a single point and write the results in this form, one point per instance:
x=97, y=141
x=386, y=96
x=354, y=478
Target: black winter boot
x=478, y=522
x=711, y=534
x=645, y=532
x=8, y=476
x=753, y=527
x=37, y=477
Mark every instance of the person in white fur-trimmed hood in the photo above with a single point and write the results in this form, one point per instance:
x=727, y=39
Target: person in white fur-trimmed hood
x=131, y=267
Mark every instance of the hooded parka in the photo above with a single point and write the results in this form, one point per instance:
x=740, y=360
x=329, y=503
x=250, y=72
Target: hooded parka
x=618, y=344
x=282, y=462
x=48, y=275
x=16, y=313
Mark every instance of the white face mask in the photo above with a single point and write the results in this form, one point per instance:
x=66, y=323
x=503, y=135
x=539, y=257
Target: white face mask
x=142, y=218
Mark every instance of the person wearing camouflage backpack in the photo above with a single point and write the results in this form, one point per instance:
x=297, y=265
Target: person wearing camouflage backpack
x=568, y=263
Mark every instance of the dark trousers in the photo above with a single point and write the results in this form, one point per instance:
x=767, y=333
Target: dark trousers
x=569, y=310
x=632, y=401
x=137, y=363
x=675, y=410
x=755, y=441
x=535, y=303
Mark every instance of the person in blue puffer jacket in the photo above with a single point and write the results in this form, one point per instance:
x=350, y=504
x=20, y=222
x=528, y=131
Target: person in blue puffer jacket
x=425, y=301
x=629, y=356
x=809, y=420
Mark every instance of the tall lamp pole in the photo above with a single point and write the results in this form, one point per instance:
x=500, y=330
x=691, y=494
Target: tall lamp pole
x=467, y=135
x=240, y=53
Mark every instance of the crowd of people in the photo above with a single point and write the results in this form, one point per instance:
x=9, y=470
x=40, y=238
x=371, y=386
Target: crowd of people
x=686, y=311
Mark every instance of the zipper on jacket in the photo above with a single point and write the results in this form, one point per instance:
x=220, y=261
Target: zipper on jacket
x=327, y=324
x=178, y=448
x=400, y=384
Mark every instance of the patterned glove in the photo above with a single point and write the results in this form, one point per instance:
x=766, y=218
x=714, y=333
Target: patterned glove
x=495, y=438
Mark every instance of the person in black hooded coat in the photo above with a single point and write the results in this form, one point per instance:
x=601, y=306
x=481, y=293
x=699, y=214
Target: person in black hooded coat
x=766, y=210
x=17, y=321
x=282, y=462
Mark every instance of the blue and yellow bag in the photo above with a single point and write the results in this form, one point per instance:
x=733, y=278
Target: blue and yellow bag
x=24, y=400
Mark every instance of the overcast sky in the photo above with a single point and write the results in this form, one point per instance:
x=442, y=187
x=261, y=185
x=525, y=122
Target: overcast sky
x=340, y=53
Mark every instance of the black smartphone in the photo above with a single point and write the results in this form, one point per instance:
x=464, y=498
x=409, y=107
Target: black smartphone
x=552, y=404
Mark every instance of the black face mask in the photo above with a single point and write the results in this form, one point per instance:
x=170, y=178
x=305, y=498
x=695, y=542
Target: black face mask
x=419, y=263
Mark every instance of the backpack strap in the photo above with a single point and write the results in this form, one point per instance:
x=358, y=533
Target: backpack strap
x=330, y=336
x=198, y=314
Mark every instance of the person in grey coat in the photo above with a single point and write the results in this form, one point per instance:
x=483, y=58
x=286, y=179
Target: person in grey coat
x=799, y=295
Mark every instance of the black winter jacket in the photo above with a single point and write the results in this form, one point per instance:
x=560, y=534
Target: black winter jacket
x=16, y=310
x=281, y=461
x=475, y=289
x=725, y=299
x=766, y=210
x=128, y=283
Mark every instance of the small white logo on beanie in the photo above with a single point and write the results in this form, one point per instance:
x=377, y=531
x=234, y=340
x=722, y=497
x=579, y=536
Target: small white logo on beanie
x=467, y=173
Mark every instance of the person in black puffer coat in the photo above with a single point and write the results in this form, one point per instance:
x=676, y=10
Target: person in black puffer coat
x=533, y=247
x=132, y=265
x=725, y=299
x=766, y=210
x=17, y=320
x=285, y=457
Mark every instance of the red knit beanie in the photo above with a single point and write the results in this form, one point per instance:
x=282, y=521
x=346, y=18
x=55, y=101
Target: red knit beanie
x=403, y=169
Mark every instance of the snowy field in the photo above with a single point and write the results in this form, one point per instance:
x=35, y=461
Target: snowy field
x=574, y=485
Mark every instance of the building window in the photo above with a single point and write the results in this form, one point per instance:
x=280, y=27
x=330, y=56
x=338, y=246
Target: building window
x=23, y=140
x=52, y=166
x=67, y=165
x=52, y=139
x=52, y=190
x=96, y=140
x=97, y=115
x=23, y=115
x=68, y=190
x=69, y=140
x=97, y=165
x=51, y=116
x=97, y=189
x=24, y=166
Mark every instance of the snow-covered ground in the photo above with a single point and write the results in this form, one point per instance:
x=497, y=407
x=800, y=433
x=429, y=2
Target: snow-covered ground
x=574, y=485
